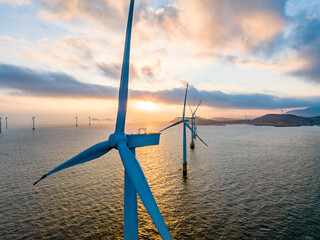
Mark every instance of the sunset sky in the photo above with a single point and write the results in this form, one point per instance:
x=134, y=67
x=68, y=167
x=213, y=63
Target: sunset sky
x=61, y=58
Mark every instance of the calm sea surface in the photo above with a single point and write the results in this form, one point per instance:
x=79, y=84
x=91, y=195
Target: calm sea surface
x=250, y=183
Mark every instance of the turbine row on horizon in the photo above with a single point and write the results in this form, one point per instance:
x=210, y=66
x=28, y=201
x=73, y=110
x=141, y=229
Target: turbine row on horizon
x=90, y=119
x=6, y=121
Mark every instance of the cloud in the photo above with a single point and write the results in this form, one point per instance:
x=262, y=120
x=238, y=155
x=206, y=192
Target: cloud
x=49, y=84
x=222, y=25
x=151, y=73
x=27, y=82
x=246, y=29
x=147, y=71
x=279, y=35
x=253, y=33
x=80, y=46
x=305, y=39
x=10, y=39
x=101, y=12
x=113, y=70
x=233, y=25
x=16, y=2
x=219, y=99
x=68, y=52
x=265, y=32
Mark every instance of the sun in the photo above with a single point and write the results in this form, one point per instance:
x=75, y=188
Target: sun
x=149, y=106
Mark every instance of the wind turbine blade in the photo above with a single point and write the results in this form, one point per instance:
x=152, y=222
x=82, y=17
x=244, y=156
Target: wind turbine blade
x=87, y=155
x=191, y=110
x=171, y=126
x=123, y=90
x=197, y=107
x=185, y=100
x=140, y=183
x=195, y=133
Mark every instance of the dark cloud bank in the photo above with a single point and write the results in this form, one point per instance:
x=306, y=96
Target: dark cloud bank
x=49, y=84
x=27, y=82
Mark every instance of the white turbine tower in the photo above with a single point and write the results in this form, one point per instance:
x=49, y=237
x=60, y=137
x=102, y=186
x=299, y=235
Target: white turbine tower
x=89, y=118
x=6, y=118
x=185, y=124
x=193, y=124
x=134, y=179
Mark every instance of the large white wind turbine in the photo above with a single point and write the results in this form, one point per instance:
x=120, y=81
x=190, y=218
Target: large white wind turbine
x=193, y=124
x=185, y=124
x=134, y=179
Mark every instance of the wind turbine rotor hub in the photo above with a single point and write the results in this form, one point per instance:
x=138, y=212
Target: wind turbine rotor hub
x=114, y=139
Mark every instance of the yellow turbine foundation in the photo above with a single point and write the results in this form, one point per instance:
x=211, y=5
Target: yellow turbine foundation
x=184, y=169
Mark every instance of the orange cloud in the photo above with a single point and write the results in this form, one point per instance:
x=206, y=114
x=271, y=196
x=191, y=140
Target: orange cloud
x=260, y=27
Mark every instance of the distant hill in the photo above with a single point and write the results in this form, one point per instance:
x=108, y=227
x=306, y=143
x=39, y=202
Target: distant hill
x=307, y=112
x=276, y=120
x=224, y=119
x=285, y=120
x=316, y=120
x=202, y=121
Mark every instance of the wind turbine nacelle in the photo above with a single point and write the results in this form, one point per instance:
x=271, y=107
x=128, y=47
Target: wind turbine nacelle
x=142, y=140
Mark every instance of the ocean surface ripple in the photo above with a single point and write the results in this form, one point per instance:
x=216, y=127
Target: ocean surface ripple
x=250, y=183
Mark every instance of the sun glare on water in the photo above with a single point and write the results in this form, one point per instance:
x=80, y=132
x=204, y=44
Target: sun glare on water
x=148, y=106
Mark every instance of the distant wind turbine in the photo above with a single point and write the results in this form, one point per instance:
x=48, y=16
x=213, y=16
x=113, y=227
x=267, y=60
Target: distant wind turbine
x=134, y=179
x=76, y=118
x=6, y=118
x=33, y=122
x=246, y=118
x=185, y=124
x=89, y=120
x=0, y=124
x=193, y=124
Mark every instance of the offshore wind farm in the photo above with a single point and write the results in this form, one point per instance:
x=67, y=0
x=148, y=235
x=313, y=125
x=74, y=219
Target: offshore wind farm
x=251, y=171
x=185, y=125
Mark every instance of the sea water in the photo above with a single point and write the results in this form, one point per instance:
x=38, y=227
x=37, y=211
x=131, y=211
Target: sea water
x=250, y=183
